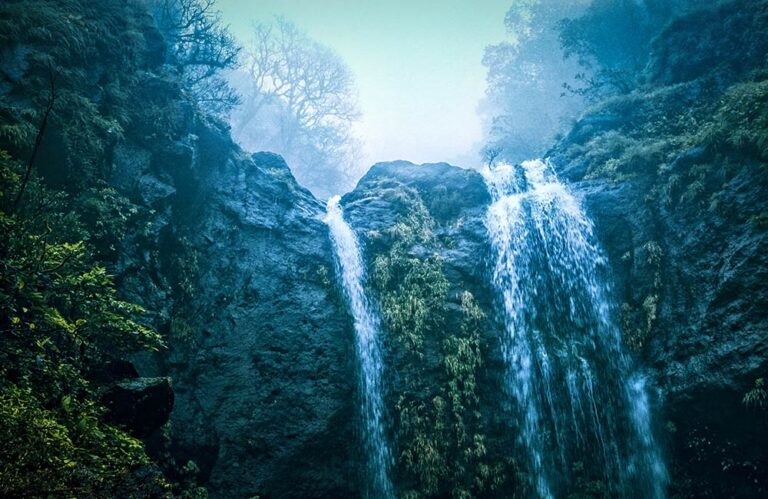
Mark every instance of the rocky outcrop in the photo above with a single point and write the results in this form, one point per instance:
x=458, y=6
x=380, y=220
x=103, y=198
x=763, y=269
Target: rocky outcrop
x=417, y=378
x=142, y=405
x=456, y=198
x=693, y=281
x=227, y=254
x=678, y=205
x=237, y=266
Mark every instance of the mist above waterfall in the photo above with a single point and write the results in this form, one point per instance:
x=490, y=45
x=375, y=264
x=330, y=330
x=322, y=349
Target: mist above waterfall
x=208, y=291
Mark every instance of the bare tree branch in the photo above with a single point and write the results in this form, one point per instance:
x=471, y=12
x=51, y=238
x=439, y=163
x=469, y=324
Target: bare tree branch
x=298, y=99
x=201, y=48
x=39, y=137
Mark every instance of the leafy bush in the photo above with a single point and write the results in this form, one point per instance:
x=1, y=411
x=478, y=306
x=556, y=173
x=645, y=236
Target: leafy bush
x=61, y=321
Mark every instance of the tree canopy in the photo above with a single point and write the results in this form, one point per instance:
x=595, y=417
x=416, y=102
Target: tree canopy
x=299, y=100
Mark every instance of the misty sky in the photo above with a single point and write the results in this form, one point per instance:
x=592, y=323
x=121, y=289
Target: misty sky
x=417, y=65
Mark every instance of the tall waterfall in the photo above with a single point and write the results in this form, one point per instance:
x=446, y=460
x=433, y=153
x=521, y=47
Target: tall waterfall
x=352, y=273
x=583, y=413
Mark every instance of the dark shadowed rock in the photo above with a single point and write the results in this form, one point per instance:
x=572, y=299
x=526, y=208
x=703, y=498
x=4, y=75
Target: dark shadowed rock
x=142, y=405
x=236, y=263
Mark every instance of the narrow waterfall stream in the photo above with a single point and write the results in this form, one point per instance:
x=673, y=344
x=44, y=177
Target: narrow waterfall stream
x=352, y=272
x=582, y=412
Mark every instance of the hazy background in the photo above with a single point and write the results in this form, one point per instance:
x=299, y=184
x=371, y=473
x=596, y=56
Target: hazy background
x=417, y=64
x=335, y=86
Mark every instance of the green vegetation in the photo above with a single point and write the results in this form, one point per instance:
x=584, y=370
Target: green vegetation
x=77, y=82
x=584, y=487
x=686, y=146
x=52, y=42
x=61, y=323
x=757, y=395
x=184, y=267
x=441, y=447
x=637, y=322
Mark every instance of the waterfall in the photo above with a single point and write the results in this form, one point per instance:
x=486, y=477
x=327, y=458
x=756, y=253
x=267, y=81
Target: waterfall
x=582, y=412
x=352, y=272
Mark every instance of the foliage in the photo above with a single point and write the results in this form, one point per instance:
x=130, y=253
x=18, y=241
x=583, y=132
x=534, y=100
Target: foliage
x=108, y=216
x=690, y=147
x=66, y=451
x=741, y=119
x=201, y=48
x=611, y=40
x=638, y=320
x=442, y=449
x=61, y=321
x=721, y=40
x=757, y=396
x=685, y=144
x=525, y=106
x=91, y=112
x=584, y=487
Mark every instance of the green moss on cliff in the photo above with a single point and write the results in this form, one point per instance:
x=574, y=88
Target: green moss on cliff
x=441, y=446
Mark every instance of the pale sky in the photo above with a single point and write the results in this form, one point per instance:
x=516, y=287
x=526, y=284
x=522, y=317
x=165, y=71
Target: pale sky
x=417, y=65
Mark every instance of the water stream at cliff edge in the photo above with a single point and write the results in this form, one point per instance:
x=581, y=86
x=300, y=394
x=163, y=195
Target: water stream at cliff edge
x=582, y=411
x=352, y=272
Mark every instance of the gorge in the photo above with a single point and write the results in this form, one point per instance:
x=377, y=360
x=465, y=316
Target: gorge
x=182, y=318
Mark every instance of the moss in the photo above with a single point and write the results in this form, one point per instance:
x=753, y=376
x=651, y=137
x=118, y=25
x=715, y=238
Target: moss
x=639, y=319
x=683, y=141
x=441, y=446
x=756, y=397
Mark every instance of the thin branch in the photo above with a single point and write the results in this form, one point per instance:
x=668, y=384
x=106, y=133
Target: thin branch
x=39, y=138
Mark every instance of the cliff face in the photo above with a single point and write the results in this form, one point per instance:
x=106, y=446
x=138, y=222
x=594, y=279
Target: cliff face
x=230, y=257
x=674, y=177
x=237, y=264
x=224, y=250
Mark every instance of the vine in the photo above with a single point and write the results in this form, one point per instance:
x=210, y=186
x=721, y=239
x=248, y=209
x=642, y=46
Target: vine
x=441, y=448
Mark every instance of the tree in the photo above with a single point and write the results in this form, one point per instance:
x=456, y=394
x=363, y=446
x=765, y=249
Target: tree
x=61, y=324
x=298, y=99
x=611, y=41
x=201, y=47
x=524, y=107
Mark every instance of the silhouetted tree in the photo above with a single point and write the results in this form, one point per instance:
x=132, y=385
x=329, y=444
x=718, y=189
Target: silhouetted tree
x=201, y=47
x=523, y=108
x=298, y=99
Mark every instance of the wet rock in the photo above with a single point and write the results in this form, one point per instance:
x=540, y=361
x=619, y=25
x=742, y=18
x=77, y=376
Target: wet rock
x=141, y=405
x=260, y=347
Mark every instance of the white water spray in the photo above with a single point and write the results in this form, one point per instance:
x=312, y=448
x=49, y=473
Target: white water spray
x=572, y=386
x=367, y=327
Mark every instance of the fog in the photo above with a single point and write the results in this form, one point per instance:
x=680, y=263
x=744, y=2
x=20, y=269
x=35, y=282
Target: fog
x=436, y=81
x=417, y=68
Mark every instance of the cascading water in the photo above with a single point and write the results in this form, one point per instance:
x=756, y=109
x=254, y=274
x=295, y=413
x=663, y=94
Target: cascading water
x=352, y=273
x=583, y=414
